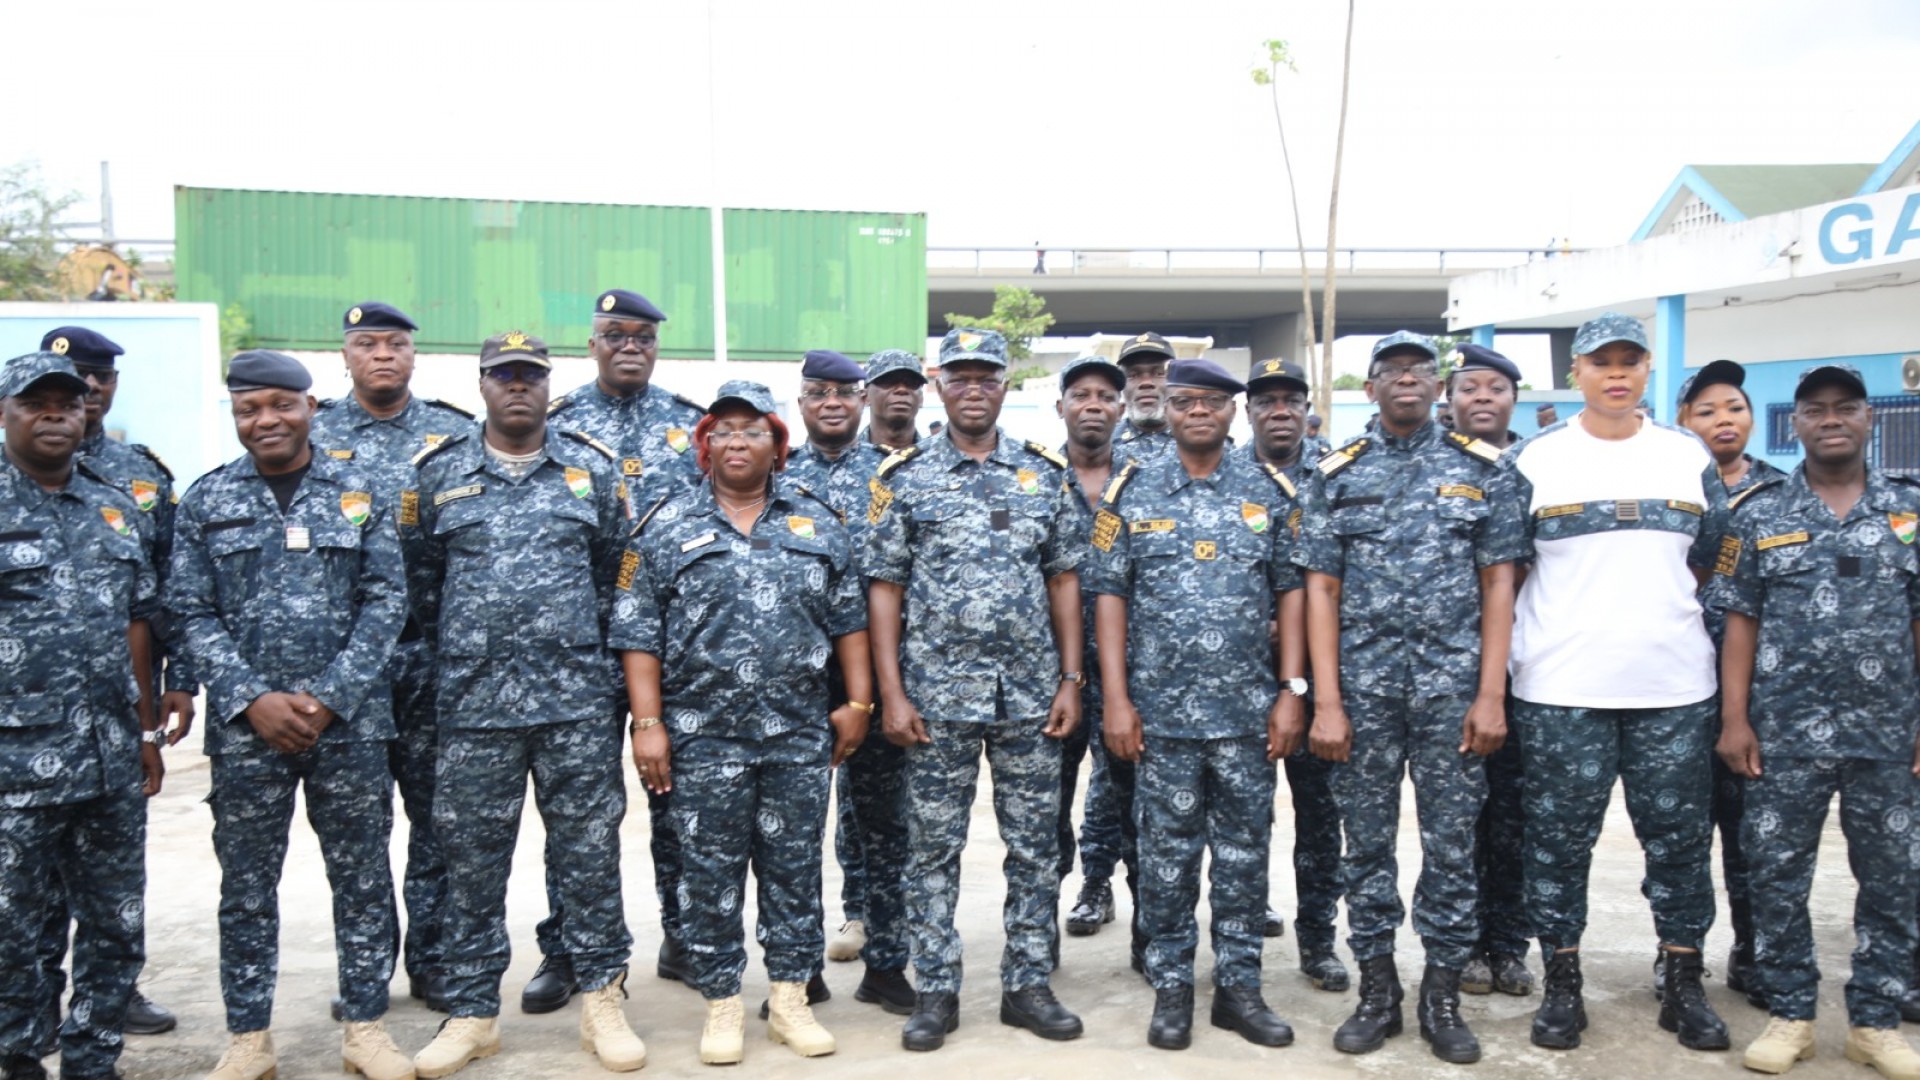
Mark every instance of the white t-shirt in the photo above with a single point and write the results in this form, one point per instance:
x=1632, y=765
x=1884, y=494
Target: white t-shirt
x=1608, y=618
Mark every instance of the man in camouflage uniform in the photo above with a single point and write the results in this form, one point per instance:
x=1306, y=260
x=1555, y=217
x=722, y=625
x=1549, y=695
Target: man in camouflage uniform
x=1482, y=388
x=513, y=537
x=1408, y=688
x=1144, y=358
x=378, y=427
x=650, y=431
x=288, y=585
x=977, y=536
x=1276, y=413
x=1091, y=401
x=75, y=766
x=138, y=472
x=1821, y=589
x=1190, y=565
x=837, y=466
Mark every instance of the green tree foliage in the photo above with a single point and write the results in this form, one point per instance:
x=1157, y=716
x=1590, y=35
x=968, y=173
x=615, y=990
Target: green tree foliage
x=1018, y=313
x=29, y=250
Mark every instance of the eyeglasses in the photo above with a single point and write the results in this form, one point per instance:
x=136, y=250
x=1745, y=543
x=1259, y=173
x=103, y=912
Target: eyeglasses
x=964, y=385
x=717, y=437
x=1209, y=402
x=1845, y=410
x=841, y=393
x=1423, y=369
x=513, y=373
x=621, y=341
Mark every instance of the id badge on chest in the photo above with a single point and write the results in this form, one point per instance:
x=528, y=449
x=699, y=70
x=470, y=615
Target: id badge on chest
x=299, y=538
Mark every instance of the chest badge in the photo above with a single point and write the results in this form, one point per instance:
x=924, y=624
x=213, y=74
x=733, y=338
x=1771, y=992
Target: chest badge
x=1255, y=516
x=580, y=482
x=801, y=527
x=677, y=440
x=357, y=506
x=145, y=493
x=116, y=521
x=1028, y=480
x=1904, y=526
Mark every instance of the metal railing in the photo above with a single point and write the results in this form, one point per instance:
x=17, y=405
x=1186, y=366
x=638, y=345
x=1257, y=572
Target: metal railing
x=1170, y=261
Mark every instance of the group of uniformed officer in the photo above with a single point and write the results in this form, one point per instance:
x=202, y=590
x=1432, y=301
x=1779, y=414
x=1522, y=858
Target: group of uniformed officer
x=384, y=592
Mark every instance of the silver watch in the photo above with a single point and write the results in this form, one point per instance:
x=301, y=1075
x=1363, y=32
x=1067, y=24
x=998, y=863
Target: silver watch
x=1296, y=687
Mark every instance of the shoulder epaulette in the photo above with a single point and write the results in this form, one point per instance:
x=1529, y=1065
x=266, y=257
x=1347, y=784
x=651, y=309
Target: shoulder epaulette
x=690, y=403
x=421, y=457
x=895, y=460
x=1471, y=446
x=651, y=510
x=559, y=403
x=1343, y=457
x=451, y=407
x=155, y=458
x=1279, y=477
x=1118, y=484
x=1733, y=503
x=1050, y=455
x=584, y=438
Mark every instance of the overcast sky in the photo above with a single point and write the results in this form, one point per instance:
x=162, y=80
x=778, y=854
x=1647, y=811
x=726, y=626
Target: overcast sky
x=1473, y=122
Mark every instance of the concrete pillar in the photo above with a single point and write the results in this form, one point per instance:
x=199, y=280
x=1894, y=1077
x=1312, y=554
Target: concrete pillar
x=1277, y=337
x=1669, y=353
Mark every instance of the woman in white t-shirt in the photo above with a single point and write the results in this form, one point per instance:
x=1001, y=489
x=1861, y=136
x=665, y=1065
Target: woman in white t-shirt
x=1613, y=672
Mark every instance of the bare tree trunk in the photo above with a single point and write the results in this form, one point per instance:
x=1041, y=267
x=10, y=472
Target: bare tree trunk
x=1299, y=235
x=1323, y=386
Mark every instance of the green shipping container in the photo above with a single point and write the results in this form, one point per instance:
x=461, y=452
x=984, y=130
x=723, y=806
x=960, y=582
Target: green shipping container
x=467, y=268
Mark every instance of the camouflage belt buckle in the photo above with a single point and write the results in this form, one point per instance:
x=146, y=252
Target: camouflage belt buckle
x=1626, y=510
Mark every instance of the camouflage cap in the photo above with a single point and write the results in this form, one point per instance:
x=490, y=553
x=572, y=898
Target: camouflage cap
x=973, y=343
x=1842, y=375
x=888, y=361
x=751, y=394
x=1405, y=341
x=1607, y=329
x=514, y=346
x=1093, y=365
x=23, y=371
x=1268, y=374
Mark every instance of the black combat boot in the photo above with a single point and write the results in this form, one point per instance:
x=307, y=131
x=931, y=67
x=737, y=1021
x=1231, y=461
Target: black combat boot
x=1172, y=1025
x=1440, y=1022
x=1684, y=1008
x=1562, y=1015
x=1377, y=1018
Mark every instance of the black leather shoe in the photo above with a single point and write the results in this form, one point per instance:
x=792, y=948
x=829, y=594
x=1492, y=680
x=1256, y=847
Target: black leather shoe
x=1172, y=1025
x=1242, y=1009
x=1510, y=974
x=146, y=1018
x=1684, y=1009
x=1440, y=1024
x=1323, y=968
x=22, y=1067
x=1562, y=1015
x=1275, y=926
x=1037, y=1010
x=674, y=963
x=431, y=989
x=1092, y=910
x=551, y=987
x=935, y=1016
x=1377, y=1018
x=887, y=989
x=817, y=992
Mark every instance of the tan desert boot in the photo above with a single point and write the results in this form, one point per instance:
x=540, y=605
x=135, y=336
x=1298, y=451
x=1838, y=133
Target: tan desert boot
x=462, y=1039
x=790, y=1020
x=249, y=1056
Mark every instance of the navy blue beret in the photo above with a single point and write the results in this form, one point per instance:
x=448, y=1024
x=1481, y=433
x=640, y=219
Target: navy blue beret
x=1480, y=358
x=81, y=345
x=374, y=315
x=1202, y=375
x=264, y=369
x=621, y=304
x=831, y=366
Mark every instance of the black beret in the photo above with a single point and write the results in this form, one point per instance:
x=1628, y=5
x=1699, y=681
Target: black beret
x=1480, y=358
x=831, y=366
x=264, y=369
x=1202, y=375
x=373, y=315
x=81, y=345
x=621, y=304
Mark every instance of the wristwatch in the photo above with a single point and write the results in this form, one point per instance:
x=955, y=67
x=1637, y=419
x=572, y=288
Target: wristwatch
x=156, y=737
x=1073, y=677
x=1296, y=687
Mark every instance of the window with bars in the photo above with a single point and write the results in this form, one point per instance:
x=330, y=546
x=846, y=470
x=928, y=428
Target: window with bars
x=1894, y=446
